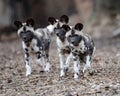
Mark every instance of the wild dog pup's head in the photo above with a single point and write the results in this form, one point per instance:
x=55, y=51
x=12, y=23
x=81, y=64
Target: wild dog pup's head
x=61, y=32
x=25, y=30
x=75, y=39
x=57, y=23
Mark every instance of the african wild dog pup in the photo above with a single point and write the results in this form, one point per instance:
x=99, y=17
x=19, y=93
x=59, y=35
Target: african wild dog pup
x=82, y=48
x=60, y=29
x=35, y=41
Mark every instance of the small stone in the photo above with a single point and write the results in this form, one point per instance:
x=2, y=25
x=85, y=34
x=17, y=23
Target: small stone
x=107, y=87
x=9, y=81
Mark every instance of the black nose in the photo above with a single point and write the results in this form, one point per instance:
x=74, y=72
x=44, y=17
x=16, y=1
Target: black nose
x=57, y=34
x=24, y=38
x=72, y=42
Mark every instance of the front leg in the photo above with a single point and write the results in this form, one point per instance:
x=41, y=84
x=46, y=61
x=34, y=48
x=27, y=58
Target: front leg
x=47, y=64
x=76, y=66
x=88, y=65
x=28, y=68
x=68, y=61
x=62, y=61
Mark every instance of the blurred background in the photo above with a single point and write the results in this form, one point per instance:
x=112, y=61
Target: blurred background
x=100, y=17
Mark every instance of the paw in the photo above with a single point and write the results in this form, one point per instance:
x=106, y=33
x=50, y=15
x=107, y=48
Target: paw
x=76, y=76
x=84, y=70
x=28, y=73
x=66, y=69
x=28, y=70
x=62, y=73
x=91, y=72
x=38, y=61
x=47, y=67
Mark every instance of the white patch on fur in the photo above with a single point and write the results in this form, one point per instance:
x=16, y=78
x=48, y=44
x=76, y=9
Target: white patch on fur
x=87, y=65
x=76, y=69
x=33, y=45
x=68, y=33
x=24, y=45
x=62, y=60
x=79, y=32
x=45, y=32
x=82, y=46
x=38, y=61
x=38, y=32
x=62, y=73
x=28, y=69
x=94, y=50
x=50, y=28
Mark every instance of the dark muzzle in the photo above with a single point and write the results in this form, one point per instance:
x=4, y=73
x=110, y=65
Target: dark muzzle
x=74, y=39
x=26, y=36
x=60, y=32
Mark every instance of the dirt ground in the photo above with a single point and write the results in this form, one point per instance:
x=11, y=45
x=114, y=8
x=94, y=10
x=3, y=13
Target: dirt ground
x=104, y=82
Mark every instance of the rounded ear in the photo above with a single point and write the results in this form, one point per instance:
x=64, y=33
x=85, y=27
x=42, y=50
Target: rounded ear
x=66, y=27
x=51, y=20
x=18, y=24
x=79, y=26
x=64, y=19
x=30, y=22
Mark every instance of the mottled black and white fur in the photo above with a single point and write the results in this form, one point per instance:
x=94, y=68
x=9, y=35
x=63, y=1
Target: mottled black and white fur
x=60, y=29
x=82, y=48
x=34, y=41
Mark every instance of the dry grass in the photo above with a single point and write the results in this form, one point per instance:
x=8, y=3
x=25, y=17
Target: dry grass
x=105, y=81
